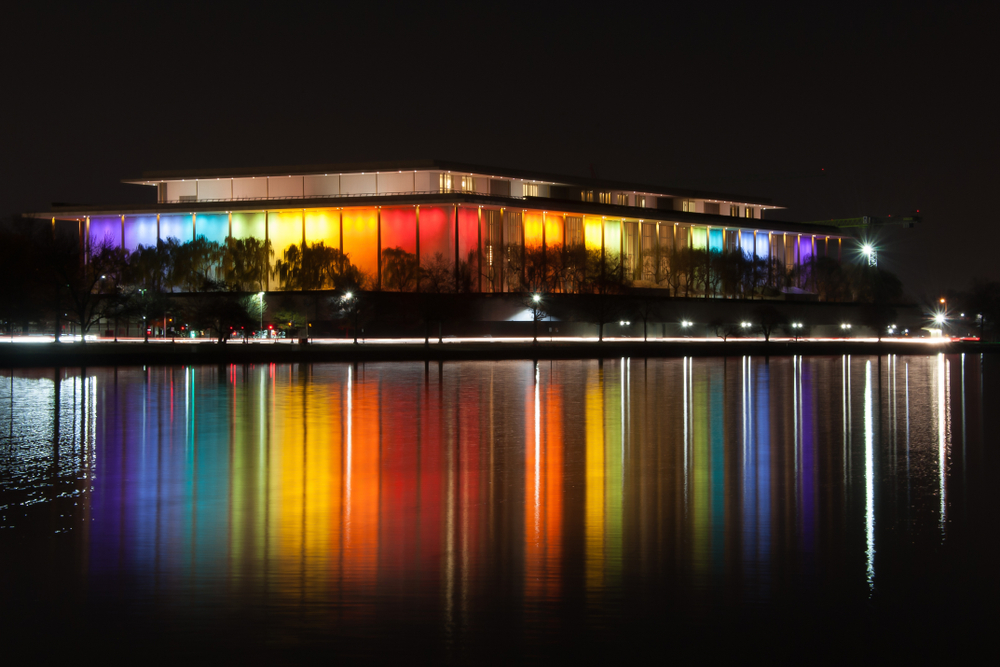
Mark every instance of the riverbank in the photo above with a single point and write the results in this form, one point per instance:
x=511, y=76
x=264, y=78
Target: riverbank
x=187, y=353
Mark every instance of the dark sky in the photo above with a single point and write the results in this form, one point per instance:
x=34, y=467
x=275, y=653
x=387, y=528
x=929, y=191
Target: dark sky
x=833, y=112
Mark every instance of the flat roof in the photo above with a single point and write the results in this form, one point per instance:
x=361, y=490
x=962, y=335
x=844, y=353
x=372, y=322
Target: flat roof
x=612, y=211
x=443, y=165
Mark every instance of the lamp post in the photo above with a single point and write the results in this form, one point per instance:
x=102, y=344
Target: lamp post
x=536, y=302
x=260, y=297
x=869, y=251
x=352, y=304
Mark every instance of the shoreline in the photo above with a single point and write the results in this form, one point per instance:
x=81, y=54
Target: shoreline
x=40, y=355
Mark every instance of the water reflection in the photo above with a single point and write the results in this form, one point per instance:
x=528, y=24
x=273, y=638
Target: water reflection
x=361, y=496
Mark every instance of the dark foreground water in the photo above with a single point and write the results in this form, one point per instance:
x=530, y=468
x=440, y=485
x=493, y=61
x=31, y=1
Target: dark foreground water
x=799, y=508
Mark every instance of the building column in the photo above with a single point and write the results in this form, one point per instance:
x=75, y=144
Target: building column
x=503, y=250
x=456, y=247
x=621, y=250
x=656, y=249
x=418, y=246
x=479, y=252
x=267, y=238
x=602, y=248
x=194, y=227
x=157, y=227
x=544, y=254
x=524, y=254
x=378, y=248
x=123, y=231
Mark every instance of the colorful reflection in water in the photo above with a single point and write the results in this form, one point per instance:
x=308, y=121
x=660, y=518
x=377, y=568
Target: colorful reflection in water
x=546, y=499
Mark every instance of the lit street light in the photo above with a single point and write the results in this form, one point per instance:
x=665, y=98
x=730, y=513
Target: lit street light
x=536, y=304
x=260, y=296
x=869, y=251
x=352, y=304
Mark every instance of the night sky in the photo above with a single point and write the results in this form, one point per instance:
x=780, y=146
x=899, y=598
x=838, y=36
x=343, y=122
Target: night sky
x=836, y=112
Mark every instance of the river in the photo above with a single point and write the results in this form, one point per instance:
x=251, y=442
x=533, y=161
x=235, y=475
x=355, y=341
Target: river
x=502, y=511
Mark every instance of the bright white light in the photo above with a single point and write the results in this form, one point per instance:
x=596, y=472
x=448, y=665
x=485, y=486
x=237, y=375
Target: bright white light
x=939, y=318
x=685, y=323
x=348, y=295
x=744, y=324
x=536, y=298
x=867, y=249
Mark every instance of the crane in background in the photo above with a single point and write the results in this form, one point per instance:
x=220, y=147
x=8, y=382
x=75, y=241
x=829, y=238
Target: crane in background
x=869, y=223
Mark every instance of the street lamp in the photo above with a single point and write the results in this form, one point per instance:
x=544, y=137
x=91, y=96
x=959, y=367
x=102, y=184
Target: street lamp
x=869, y=251
x=796, y=329
x=536, y=301
x=260, y=296
x=351, y=304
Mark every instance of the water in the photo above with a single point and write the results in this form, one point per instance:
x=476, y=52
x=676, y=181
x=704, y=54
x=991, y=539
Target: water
x=502, y=512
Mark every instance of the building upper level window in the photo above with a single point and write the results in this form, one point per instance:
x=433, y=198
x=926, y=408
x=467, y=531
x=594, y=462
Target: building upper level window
x=640, y=201
x=531, y=189
x=587, y=195
x=468, y=184
x=689, y=206
x=748, y=212
x=604, y=197
x=444, y=181
x=734, y=210
x=621, y=198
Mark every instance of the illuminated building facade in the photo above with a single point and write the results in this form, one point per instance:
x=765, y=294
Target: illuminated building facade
x=488, y=221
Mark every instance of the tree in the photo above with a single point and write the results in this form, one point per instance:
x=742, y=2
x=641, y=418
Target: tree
x=984, y=300
x=352, y=303
x=149, y=266
x=724, y=329
x=535, y=303
x=399, y=269
x=194, y=262
x=602, y=309
x=878, y=317
x=436, y=276
x=768, y=318
x=81, y=283
x=146, y=305
x=247, y=264
x=647, y=308
x=222, y=313
x=313, y=267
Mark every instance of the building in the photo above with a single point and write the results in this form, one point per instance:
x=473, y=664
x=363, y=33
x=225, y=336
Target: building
x=486, y=221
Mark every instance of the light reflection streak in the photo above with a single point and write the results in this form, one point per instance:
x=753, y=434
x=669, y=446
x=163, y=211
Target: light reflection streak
x=300, y=509
x=869, y=478
x=538, y=456
x=685, y=376
x=349, y=446
x=942, y=444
